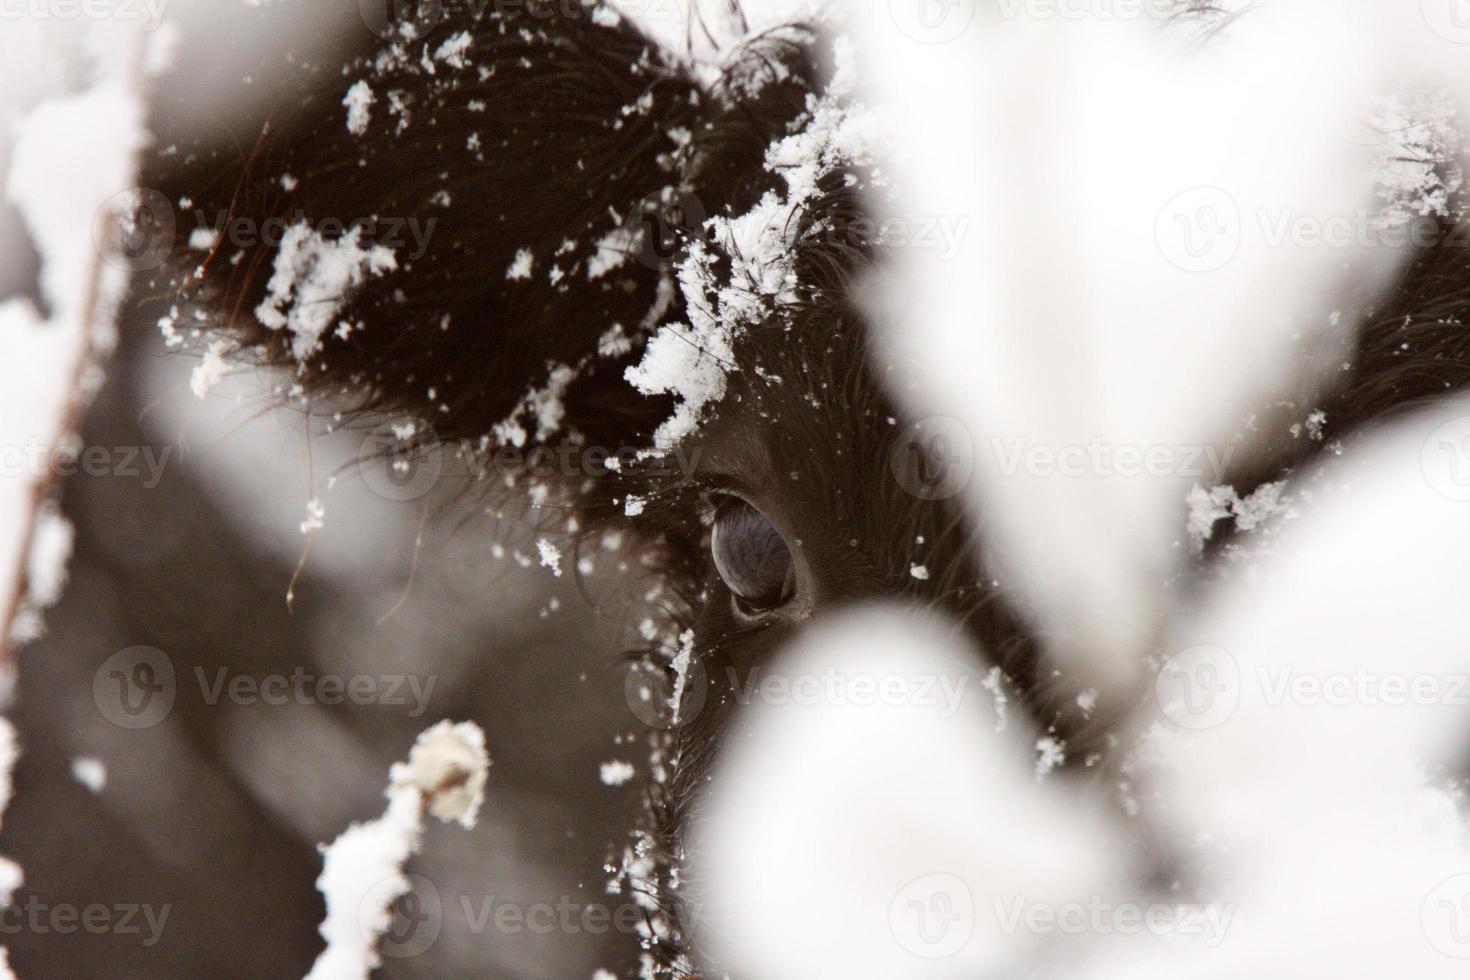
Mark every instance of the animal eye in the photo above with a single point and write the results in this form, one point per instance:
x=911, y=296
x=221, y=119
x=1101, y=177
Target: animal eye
x=751, y=558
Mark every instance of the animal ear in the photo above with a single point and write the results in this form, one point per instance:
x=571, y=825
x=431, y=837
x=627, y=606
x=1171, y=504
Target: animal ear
x=475, y=224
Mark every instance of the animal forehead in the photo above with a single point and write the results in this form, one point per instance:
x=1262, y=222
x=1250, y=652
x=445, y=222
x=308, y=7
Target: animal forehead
x=807, y=432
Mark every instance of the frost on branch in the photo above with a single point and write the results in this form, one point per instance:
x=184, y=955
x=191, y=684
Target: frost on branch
x=444, y=776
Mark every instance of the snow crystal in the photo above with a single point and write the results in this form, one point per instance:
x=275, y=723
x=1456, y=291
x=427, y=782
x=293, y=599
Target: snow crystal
x=1419, y=172
x=312, y=281
x=210, y=370
x=634, y=505
x=550, y=556
x=520, y=269
x=613, y=250
x=546, y=405
x=616, y=773
x=203, y=239
x=680, y=665
x=452, y=51
x=919, y=572
x=692, y=367
x=90, y=772
x=359, y=101
x=1050, y=754
x=316, y=516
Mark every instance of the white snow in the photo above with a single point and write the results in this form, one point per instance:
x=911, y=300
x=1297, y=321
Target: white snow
x=90, y=771
x=203, y=239
x=616, y=773
x=691, y=360
x=210, y=370
x=71, y=160
x=522, y=266
x=362, y=874
x=613, y=249
x=359, y=102
x=550, y=556
x=452, y=51
x=313, y=280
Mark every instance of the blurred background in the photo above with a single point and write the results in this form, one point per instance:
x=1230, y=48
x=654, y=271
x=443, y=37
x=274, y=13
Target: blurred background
x=215, y=810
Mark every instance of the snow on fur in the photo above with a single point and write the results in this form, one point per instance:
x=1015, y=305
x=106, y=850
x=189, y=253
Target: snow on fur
x=313, y=280
x=691, y=360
